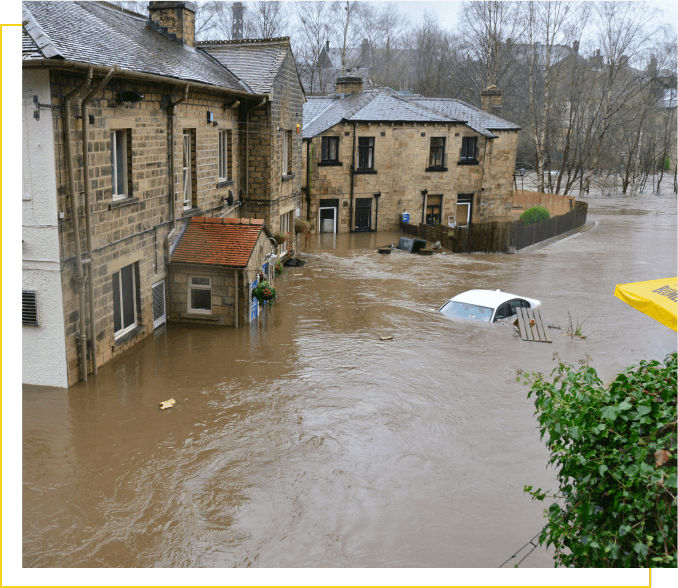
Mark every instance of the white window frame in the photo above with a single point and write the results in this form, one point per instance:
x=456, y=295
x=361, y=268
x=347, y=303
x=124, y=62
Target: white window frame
x=124, y=330
x=286, y=138
x=286, y=226
x=192, y=286
x=114, y=164
x=223, y=156
x=187, y=169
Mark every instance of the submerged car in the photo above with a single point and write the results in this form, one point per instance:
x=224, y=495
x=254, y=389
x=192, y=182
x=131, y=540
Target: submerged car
x=486, y=305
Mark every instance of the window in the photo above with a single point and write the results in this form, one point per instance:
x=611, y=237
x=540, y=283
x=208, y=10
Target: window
x=437, y=152
x=365, y=153
x=286, y=225
x=287, y=152
x=119, y=157
x=29, y=307
x=224, y=170
x=190, y=195
x=469, y=149
x=330, y=149
x=200, y=294
x=125, y=294
x=434, y=210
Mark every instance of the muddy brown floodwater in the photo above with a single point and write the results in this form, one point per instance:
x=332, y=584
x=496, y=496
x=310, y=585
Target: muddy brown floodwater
x=304, y=440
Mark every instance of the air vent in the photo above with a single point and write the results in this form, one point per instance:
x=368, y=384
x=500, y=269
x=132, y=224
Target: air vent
x=29, y=307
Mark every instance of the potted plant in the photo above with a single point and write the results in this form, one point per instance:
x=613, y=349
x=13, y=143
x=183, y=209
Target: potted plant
x=265, y=292
x=303, y=227
x=281, y=237
x=278, y=270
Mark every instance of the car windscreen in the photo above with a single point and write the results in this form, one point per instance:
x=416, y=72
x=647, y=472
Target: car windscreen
x=466, y=310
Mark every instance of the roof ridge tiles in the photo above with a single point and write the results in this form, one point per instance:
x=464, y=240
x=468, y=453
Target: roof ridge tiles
x=120, y=8
x=277, y=40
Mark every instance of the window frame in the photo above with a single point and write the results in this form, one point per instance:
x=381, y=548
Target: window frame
x=223, y=158
x=187, y=170
x=287, y=153
x=135, y=297
x=366, y=151
x=464, y=156
x=286, y=226
x=438, y=150
x=326, y=153
x=115, y=182
x=191, y=287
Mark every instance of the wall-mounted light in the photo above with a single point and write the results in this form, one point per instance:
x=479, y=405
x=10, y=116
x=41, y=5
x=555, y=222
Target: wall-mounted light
x=216, y=123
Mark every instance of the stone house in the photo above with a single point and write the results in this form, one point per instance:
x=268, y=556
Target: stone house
x=213, y=270
x=170, y=133
x=371, y=156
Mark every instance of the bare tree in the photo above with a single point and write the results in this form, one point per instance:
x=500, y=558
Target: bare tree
x=346, y=31
x=269, y=18
x=309, y=44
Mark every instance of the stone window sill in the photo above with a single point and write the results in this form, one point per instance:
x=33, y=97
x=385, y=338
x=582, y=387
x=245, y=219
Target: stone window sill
x=199, y=316
x=122, y=202
x=436, y=169
x=225, y=183
x=471, y=162
x=364, y=171
x=329, y=163
x=128, y=336
x=188, y=212
x=288, y=177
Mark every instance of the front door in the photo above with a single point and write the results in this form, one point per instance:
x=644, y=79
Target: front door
x=363, y=214
x=433, y=210
x=328, y=219
x=464, y=212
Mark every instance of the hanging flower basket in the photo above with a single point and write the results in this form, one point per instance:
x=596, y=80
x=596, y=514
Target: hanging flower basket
x=280, y=238
x=278, y=269
x=265, y=292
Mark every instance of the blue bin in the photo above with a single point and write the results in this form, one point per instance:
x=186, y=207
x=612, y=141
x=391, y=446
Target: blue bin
x=406, y=217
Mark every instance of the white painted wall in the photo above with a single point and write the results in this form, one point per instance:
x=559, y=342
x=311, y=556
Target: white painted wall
x=44, y=346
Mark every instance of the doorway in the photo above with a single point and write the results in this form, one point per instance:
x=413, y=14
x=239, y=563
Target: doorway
x=328, y=219
x=434, y=206
x=363, y=214
x=463, y=212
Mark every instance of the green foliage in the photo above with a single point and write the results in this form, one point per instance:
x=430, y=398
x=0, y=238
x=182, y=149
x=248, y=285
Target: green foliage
x=615, y=452
x=534, y=215
x=278, y=270
x=265, y=292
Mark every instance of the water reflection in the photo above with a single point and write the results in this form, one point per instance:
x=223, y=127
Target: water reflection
x=304, y=440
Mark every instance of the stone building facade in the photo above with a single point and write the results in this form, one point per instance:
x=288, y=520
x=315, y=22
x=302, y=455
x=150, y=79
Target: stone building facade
x=371, y=156
x=165, y=130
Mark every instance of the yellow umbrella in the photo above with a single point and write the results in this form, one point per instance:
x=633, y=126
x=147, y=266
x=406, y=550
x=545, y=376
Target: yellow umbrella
x=656, y=298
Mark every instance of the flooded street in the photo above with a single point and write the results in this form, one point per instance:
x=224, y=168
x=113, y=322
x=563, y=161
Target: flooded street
x=305, y=441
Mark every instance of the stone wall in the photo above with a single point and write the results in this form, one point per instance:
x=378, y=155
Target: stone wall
x=556, y=204
x=401, y=173
x=133, y=230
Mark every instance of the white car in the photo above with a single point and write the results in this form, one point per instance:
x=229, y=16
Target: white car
x=486, y=305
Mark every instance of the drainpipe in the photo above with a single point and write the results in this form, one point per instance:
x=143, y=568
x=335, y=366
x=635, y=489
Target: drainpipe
x=172, y=183
x=247, y=147
x=235, y=273
x=424, y=192
x=308, y=181
x=79, y=279
x=88, y=220
x=350, y=210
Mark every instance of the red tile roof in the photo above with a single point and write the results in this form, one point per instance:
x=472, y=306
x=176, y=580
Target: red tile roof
x=218, y=241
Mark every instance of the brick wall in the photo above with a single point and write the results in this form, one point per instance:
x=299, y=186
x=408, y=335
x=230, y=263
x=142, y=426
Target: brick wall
x=401, y=158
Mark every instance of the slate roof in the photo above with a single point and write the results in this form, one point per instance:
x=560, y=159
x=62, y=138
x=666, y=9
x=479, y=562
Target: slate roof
x=94, y=33
x=29, y=48
x=384, y=105
x=224, y=242
x=256, y=61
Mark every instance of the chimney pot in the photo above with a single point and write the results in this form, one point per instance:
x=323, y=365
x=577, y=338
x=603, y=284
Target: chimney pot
x=177, y=17
x=238, y=15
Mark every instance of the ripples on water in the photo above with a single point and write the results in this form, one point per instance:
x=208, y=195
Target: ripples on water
x=303, y=440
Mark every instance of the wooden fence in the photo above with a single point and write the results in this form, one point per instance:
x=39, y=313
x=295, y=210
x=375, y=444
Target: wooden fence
x=499, y=236
x=556, y=204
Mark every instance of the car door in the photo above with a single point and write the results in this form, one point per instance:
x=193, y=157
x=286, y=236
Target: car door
x=504, y=311
x=517, y=303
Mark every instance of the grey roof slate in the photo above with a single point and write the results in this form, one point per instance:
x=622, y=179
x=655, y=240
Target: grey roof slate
x=89, y=32
x=29, y=49
x=257, y=62
x=322, y=113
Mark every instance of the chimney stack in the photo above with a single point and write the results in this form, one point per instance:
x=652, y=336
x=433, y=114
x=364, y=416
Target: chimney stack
x=178, y=18
x=238, y=18
x=575, y=46
x=348, y=84
x=490, y=100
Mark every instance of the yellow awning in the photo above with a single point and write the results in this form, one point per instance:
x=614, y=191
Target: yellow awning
x=656, y=298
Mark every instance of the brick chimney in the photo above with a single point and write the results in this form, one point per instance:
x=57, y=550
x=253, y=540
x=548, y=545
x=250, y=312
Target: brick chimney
x=349, y=84
x=178, y=18
x=238, y=15
x=490, y=100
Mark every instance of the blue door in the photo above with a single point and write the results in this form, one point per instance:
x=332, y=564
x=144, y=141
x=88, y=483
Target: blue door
x=254, y=313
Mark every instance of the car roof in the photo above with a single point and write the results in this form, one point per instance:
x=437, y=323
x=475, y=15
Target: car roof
x=489, y=298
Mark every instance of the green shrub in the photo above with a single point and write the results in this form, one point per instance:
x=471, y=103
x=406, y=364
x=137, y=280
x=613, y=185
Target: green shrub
x=614, y=450
x=534, y=215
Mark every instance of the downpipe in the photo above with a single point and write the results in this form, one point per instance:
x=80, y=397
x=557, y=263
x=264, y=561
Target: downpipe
x=88, y=220
x=79, y=278
x=350, y=210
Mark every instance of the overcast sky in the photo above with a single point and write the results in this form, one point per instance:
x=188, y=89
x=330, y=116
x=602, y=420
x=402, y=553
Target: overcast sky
x=447, y=12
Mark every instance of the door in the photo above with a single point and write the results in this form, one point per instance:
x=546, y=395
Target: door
x=254, y=304
x=328, y=219
x=463, y=213
x=159, y=314
x=433, y=210
x=363, y=214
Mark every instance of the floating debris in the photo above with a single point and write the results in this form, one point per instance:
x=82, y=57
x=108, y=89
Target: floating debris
x=167, y=404
x=389, y=338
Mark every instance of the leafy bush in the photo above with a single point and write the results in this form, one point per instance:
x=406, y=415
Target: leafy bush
x=534, y=215
x=265, y=292
x=278, y=269
x=615, y=451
